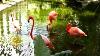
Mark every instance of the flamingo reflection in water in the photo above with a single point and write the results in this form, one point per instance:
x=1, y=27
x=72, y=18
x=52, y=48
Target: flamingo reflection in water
x=26, y=49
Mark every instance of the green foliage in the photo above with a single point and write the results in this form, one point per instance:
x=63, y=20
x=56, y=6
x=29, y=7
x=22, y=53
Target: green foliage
x=89, y=20
x=60, y=36
x=62, y=40
x=60, y=24
x=88, y=13
x=42, y=50
x=40, y=47
x=65, y=13
x=87, y=16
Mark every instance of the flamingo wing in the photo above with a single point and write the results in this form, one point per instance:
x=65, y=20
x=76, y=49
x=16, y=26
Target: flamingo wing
x=75, y=31
x=47, y=41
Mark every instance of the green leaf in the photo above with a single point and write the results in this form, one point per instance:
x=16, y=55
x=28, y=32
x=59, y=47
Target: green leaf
x=40, y=47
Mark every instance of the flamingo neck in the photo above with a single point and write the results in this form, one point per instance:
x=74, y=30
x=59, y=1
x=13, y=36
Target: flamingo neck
x=68, y=27
x=50, y=19
x=32, y=29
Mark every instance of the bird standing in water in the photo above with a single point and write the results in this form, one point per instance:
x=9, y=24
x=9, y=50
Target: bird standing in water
x=77, y=34
x=52, y=16
x=46, y=40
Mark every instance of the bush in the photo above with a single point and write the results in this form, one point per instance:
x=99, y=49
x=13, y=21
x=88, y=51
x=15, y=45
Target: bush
x=64, y=13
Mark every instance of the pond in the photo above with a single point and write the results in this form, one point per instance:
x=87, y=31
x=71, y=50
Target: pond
x=16, y=40
x=20, y=12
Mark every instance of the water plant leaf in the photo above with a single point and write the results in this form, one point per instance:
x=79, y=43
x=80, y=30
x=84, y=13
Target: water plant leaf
x=40, y=47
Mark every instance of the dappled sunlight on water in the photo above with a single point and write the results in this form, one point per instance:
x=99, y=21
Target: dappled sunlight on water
x=7, y=31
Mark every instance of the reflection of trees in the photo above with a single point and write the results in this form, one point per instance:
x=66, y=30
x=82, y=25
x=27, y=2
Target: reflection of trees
x=8, y=23
x=1, y=23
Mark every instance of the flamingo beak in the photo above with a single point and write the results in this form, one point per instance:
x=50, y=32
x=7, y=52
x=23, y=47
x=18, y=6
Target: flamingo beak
x=85, y=35
x=28, y=20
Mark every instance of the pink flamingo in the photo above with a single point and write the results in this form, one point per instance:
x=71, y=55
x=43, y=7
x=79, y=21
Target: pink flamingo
x=74, y=31
x=46, y=40
x=52, y=16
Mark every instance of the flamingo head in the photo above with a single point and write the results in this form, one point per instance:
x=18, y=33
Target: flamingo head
x=52, y=16
x=30, y=17
x=69, y=25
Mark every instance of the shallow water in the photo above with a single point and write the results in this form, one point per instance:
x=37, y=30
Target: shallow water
x=19, y=13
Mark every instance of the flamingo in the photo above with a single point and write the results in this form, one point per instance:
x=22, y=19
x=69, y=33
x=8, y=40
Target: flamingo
x=77, y=34
x=46, y=40
x=52, y=16
x=74, y=31
x=30, y=33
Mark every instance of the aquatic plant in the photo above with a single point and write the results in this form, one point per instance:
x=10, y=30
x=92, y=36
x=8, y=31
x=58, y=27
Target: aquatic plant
x=15, y=41
x=40, y=48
